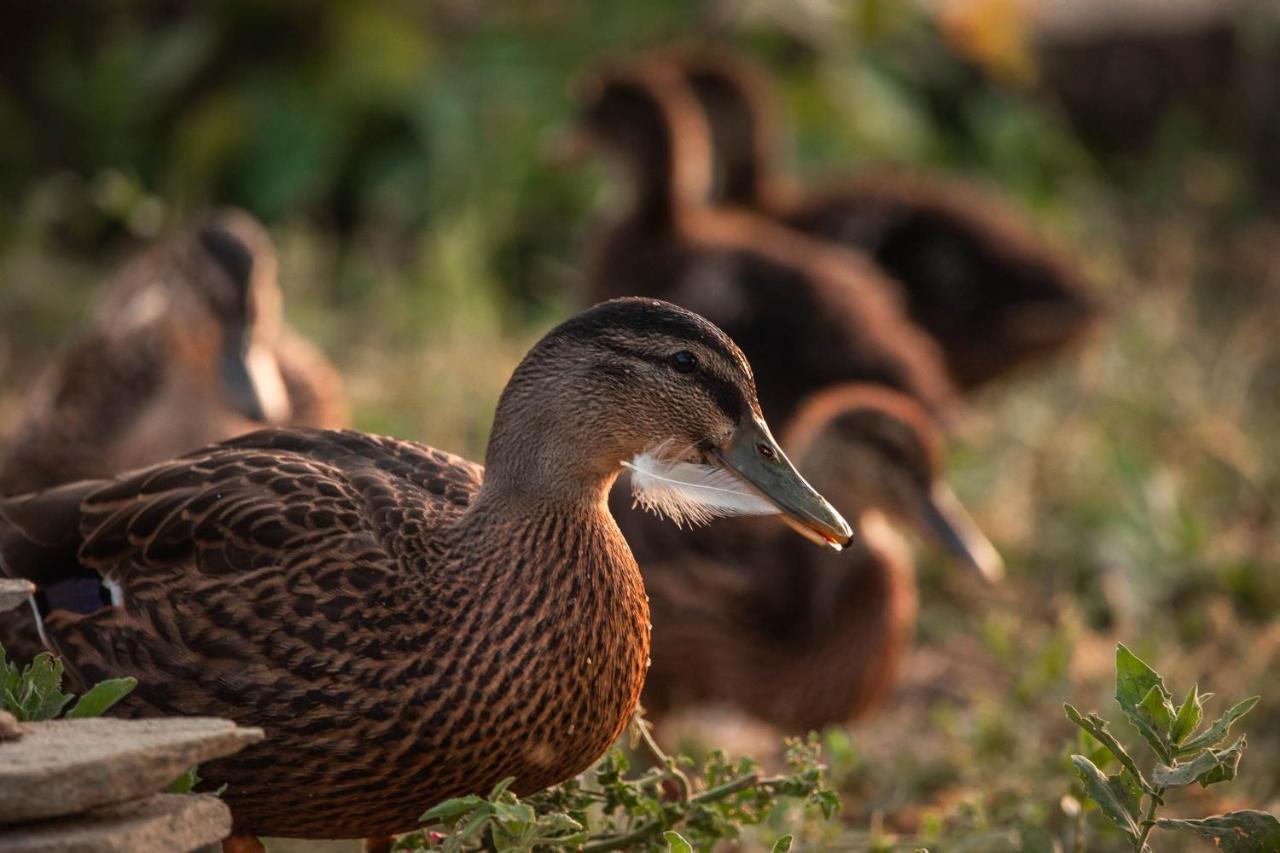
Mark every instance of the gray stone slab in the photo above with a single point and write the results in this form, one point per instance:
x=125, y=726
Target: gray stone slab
x=63, y=767
x=14, y=593
x=165, y=823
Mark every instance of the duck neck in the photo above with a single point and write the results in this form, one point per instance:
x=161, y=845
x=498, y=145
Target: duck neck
x=669, y=156
x=550, y=450
x=653, y=176
x=744, y=183
x=740, y=157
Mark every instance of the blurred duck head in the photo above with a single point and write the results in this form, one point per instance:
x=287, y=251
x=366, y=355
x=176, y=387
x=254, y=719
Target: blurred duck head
x=870, y=448
x=643, y=116
x=241, y=290
x=213, y=296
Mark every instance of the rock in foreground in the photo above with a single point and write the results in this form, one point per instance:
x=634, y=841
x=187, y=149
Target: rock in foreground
x=161, y=824
x=64, y=767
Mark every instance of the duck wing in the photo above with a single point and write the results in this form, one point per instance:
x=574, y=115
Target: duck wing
x=244, y=567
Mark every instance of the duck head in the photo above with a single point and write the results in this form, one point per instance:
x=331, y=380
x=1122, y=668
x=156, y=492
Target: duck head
x=874, y=448
x=643, y=117
x=234, y=280
x=644, y=384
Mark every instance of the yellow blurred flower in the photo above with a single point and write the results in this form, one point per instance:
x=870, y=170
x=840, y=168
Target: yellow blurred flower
x=995, y=34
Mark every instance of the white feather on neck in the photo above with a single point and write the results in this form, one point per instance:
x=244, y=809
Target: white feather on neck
x=690, y=492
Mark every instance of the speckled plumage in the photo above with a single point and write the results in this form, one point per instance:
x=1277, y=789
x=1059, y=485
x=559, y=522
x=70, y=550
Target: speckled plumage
x=405, y=625
x=320, y=585
x=143, y=382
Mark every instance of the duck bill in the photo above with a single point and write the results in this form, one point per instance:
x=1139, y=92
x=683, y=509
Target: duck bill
x=950, y=525
x=241, y=390
x=754, y=456
x=253, y=381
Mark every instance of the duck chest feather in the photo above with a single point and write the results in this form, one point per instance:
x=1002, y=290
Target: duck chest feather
x=527, y=663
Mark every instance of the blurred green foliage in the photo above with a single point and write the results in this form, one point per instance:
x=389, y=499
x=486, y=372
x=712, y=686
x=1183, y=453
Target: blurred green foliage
x=381, y=122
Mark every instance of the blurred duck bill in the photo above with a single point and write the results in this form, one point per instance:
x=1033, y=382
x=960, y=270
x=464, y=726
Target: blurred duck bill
x=950, y=525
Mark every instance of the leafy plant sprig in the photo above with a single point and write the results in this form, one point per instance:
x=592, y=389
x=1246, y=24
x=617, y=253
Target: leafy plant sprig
x=606, y=809
x=34, y=692
x=1130, y=799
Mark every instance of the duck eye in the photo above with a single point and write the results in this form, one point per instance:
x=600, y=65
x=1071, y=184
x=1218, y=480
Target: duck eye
x=685, y=361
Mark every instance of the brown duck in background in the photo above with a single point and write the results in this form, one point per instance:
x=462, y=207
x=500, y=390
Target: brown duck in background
x=807, y=314
x=802, y=639
x=186, y=347
x=406, y=625
x=992, y=293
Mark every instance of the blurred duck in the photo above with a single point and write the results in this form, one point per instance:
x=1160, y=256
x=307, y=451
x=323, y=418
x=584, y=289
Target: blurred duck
x=407, y=625
x=991, y=292
x=186, y=347
x=806, y=313
x=798, y=638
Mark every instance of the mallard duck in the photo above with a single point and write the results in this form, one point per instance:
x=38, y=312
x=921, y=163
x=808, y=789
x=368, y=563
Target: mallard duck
x=186, y=347
x=991, y=292
x=404, y=624
x=807, y=314
x=803, y=640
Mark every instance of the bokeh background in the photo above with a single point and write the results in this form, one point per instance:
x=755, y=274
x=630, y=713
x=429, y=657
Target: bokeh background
x=398, y=152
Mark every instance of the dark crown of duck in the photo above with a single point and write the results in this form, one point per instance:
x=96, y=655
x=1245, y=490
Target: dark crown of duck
x=406, y=625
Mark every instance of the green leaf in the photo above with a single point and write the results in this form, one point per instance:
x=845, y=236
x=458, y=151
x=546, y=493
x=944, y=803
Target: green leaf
x=1217, y=732
x=501, y=788
x=1158, y=707
x=1118, y=796
x=676, y=843
x=1189, y=716
x=474, y=826
x=828, y=803
x=185, y=783
x=1228, y=764
x=451, y=810
x=40, y=694
x=101, y=697
x=783, y=844
x=44, y=673
x=514, y=813
x=1134, y=679
x=1234, y=832
x=1145, y=701
x=1210, y=766
x=1097, y=727
x=559, y=823
x=1186, y=773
